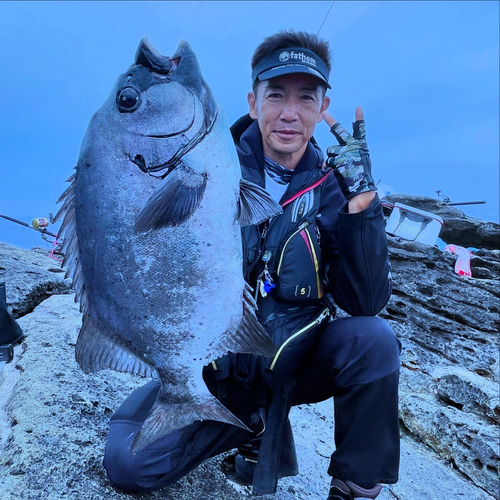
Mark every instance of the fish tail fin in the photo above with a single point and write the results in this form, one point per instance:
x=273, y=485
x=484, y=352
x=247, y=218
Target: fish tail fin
x=165, y=418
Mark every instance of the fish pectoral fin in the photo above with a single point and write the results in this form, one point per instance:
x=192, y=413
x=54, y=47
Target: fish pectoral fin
x=173, y=201
x=250, y=336
x=255, y=205
x=165, y=418
x=97, y=351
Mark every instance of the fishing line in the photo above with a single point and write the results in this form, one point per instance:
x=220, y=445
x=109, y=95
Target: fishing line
x=325, y=17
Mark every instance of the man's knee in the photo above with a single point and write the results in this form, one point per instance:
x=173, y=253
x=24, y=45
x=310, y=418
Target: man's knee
x=366, y=349
x=134, y=472
x=120, y=463
x=378, y=338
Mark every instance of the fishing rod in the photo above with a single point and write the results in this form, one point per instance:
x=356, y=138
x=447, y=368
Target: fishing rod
x=482, y=202
x=325, y=18
x=38, y=225
x=446, y=200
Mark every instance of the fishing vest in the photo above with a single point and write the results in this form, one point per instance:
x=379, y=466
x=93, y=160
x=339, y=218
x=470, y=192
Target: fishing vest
x=284, y=254
x=282, y=257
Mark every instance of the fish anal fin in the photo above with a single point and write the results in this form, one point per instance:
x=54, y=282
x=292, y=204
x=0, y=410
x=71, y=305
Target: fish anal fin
x=165, y=418
x=255, y=205
x=250, y=336
x=97, y=351
x=174, y=200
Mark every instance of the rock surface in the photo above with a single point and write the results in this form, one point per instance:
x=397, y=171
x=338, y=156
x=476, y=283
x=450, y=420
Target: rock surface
x=53, y=417
x=55, y=424
x=448, y=325
x=30, y=277
x=458, y=228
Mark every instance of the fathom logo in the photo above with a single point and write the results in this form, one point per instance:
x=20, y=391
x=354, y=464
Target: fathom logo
x=284, y=56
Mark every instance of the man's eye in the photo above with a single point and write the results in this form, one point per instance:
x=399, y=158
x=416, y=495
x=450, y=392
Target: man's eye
x=274, y=95
x=308, y=98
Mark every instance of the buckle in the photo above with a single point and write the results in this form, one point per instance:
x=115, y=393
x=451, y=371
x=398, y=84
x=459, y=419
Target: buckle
x=6, y=353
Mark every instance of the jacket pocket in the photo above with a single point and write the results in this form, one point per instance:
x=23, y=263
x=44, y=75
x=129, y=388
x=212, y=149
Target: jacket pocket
x=298, y=268
x=293, y=350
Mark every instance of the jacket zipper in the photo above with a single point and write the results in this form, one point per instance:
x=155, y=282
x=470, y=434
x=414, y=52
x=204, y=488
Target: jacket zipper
x=302, y=226
x=317, y=321
x=316, y=265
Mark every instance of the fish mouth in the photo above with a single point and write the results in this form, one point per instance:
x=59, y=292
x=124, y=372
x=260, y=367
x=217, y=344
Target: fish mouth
x=160, y=171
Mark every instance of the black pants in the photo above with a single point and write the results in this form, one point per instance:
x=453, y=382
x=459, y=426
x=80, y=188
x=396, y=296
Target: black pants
x=356, y=361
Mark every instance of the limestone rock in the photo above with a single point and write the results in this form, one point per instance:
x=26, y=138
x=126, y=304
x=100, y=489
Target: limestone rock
x=30, y=278
x=53, y=417
x=458, y=228
x=472, y=446
x=448, y=325
x=468, y=391
x=58, y=417
x=55, y=424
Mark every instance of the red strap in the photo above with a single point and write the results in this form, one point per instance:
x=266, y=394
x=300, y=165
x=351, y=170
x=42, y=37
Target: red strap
x=300, y=193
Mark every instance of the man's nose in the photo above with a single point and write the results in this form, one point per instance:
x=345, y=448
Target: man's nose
x=289, y=112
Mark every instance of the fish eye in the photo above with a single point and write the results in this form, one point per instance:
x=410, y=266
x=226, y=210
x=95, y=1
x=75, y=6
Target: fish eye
x=128, y=100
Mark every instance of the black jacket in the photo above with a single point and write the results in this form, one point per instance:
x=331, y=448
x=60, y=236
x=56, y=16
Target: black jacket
x=314, y=249
x=349, y=250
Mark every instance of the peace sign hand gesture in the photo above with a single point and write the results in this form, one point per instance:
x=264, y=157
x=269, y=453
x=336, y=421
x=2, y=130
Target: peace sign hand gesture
x=350, y=160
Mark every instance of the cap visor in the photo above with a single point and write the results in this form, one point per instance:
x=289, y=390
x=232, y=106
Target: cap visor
x=290, y=69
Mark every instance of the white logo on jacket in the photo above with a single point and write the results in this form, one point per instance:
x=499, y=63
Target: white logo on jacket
x=302, y=205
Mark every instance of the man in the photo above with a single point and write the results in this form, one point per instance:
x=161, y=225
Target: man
x=327, y=247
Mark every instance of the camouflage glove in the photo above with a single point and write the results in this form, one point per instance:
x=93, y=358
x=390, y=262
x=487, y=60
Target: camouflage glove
x=350, y=160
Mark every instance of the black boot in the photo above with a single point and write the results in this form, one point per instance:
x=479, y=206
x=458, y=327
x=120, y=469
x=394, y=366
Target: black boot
x=10, y=332
x=339, y=491
x=246, y=458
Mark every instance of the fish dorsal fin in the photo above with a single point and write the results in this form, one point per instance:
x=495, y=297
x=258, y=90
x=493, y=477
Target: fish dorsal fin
x=173, y=201
x=70, y=247
x=250, y=336
x=255, y=205
x=97, y=350
x=151, y=59
x=188, y=74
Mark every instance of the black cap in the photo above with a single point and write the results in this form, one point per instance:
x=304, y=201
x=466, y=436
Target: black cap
x=291, y=60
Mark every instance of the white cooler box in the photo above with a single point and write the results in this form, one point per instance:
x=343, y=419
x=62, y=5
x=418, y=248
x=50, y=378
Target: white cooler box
x=412, y=224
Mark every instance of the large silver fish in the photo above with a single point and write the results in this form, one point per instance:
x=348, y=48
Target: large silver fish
x=153, y=242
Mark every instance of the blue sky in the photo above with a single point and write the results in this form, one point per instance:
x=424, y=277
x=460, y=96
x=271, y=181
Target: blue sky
x=425, y=72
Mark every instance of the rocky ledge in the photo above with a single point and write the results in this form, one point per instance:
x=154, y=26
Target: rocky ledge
x=31, y=276
x=53, y=417
x=458, y=228
x=448, y=325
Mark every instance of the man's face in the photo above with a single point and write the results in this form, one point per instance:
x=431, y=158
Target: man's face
x=287, y=109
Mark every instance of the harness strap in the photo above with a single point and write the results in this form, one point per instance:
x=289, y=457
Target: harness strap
x=265, y=479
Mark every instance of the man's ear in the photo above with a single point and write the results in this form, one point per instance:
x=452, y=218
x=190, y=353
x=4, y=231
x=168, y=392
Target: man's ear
x=324, y=107
x=251, y=104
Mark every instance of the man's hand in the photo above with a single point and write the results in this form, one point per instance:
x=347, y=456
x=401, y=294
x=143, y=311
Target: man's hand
x=350, y=162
